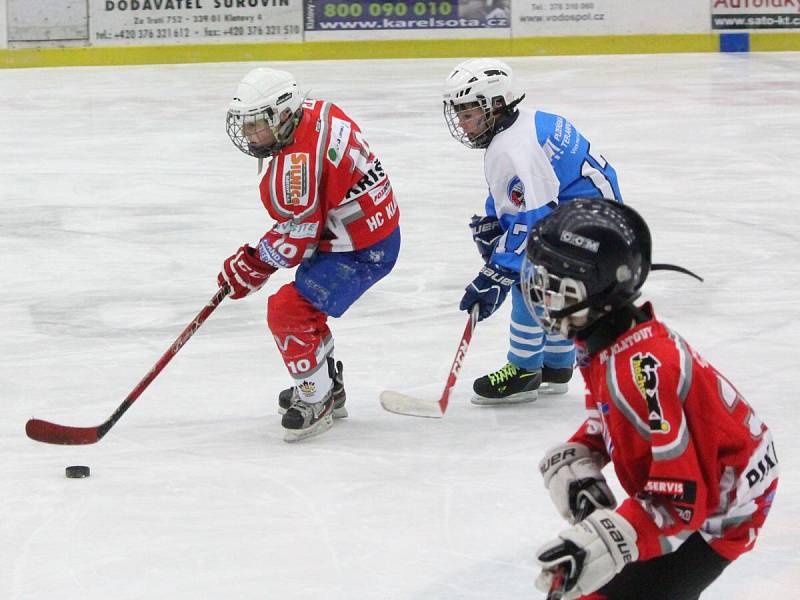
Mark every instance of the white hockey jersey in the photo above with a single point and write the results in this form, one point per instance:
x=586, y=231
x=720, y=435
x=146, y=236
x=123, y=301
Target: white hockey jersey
x=531, y=166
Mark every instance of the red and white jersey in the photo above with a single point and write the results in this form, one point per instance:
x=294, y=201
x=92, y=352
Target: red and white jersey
x=326, y=190
x=689, y=451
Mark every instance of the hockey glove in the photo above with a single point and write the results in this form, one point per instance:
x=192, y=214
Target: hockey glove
x=572, y=475
x=488, y=289
x=244, y=273
x=593, y=552
x=485, y=233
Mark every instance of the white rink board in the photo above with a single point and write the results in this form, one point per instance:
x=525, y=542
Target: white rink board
x=163, y=22
x=608, y=17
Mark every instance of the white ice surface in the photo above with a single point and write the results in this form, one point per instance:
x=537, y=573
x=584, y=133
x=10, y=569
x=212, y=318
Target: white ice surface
x=121, y=194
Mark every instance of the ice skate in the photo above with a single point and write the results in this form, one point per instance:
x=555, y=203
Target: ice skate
x=508, y=385
x=303, y=420
x=555, y=381
x=287, y=396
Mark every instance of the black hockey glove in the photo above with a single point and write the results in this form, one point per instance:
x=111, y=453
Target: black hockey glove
x=485, y=233
x=488, y=289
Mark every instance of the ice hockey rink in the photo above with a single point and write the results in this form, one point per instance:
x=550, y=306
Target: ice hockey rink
x=121, y=195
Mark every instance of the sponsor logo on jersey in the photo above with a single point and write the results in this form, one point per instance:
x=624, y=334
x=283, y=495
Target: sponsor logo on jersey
x=372, y=177
x=300, y=231
x=680, y=490
x=295, y=179
x=580, y=241
x=558, y=128
x=627, y=342
x=516, y=192
x=763, y=467
x=340, y=136
x=271, y=256
x=551, y=150
x=644, y=367
x=378, y=195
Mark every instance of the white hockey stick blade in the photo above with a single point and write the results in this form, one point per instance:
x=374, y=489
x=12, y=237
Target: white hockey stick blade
x=402, y=404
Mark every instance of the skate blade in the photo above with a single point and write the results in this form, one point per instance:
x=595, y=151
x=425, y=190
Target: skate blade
x=295, y=435
x=553, y=389
x=338, y=413
x=521, y=398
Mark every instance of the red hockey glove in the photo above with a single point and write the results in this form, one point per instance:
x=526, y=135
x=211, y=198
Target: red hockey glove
x=244, y=273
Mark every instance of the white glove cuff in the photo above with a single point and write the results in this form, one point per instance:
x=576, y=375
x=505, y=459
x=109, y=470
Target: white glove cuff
x=561, y=456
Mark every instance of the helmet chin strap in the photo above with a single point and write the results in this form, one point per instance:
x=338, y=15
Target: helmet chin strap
x=668, y=267
x=587, y=302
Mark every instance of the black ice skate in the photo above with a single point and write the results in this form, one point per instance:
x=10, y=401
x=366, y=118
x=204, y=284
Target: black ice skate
x=509, y=385
x=303, y=420
x=287, y=396
x=554, y=381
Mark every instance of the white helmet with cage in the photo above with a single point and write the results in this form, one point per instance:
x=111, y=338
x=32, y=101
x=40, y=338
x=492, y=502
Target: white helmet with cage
x=479, y=83
x=264, y=112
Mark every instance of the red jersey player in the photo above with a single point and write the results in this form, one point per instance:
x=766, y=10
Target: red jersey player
x=698, y=466
x=336, y=220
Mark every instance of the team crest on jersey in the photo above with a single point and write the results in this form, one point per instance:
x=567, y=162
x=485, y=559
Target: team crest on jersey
x=340, y=136
x=516, y=192
x=644, y=367
x=295, y=179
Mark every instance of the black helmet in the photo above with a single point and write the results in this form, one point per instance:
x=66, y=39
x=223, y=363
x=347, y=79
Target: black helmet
x=589, y=257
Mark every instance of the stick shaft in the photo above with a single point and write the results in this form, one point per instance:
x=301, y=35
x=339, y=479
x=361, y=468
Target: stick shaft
x=53, y=433
x=461, y=354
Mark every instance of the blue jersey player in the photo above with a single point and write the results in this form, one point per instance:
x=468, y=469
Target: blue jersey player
x=534, y=160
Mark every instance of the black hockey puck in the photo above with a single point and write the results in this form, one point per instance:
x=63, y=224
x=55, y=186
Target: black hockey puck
x=77, y=472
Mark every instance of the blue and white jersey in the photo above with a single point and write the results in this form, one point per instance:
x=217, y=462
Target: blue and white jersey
x=537, y=162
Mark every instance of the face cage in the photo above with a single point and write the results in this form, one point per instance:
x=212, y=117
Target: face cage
x=546, y=294
x=482, y=139
x=281, y=131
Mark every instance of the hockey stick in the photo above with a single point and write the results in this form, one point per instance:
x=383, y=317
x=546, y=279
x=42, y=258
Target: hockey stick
x=53, y=433
x=417, y=407
x=558, y=586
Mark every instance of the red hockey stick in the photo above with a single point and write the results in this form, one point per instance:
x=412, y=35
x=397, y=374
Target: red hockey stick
x=417, y=407
x=53, y=433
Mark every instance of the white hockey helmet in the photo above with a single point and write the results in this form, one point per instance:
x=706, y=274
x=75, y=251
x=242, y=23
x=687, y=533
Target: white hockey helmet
x=264, y=112
x=485, y=83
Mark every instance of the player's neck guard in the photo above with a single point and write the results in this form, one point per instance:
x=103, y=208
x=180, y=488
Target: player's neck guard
x=605, y=331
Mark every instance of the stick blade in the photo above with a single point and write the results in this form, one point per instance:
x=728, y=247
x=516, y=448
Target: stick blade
x=401, y=404
x=53, y=433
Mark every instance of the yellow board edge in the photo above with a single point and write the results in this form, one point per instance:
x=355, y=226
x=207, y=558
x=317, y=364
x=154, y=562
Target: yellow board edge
x=361, y=49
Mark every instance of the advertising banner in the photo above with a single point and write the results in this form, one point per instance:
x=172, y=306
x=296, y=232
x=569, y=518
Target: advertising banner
x=755, y=14
x=3, y=26
x=162, y=22
x=432, y=17
x=607, y=17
